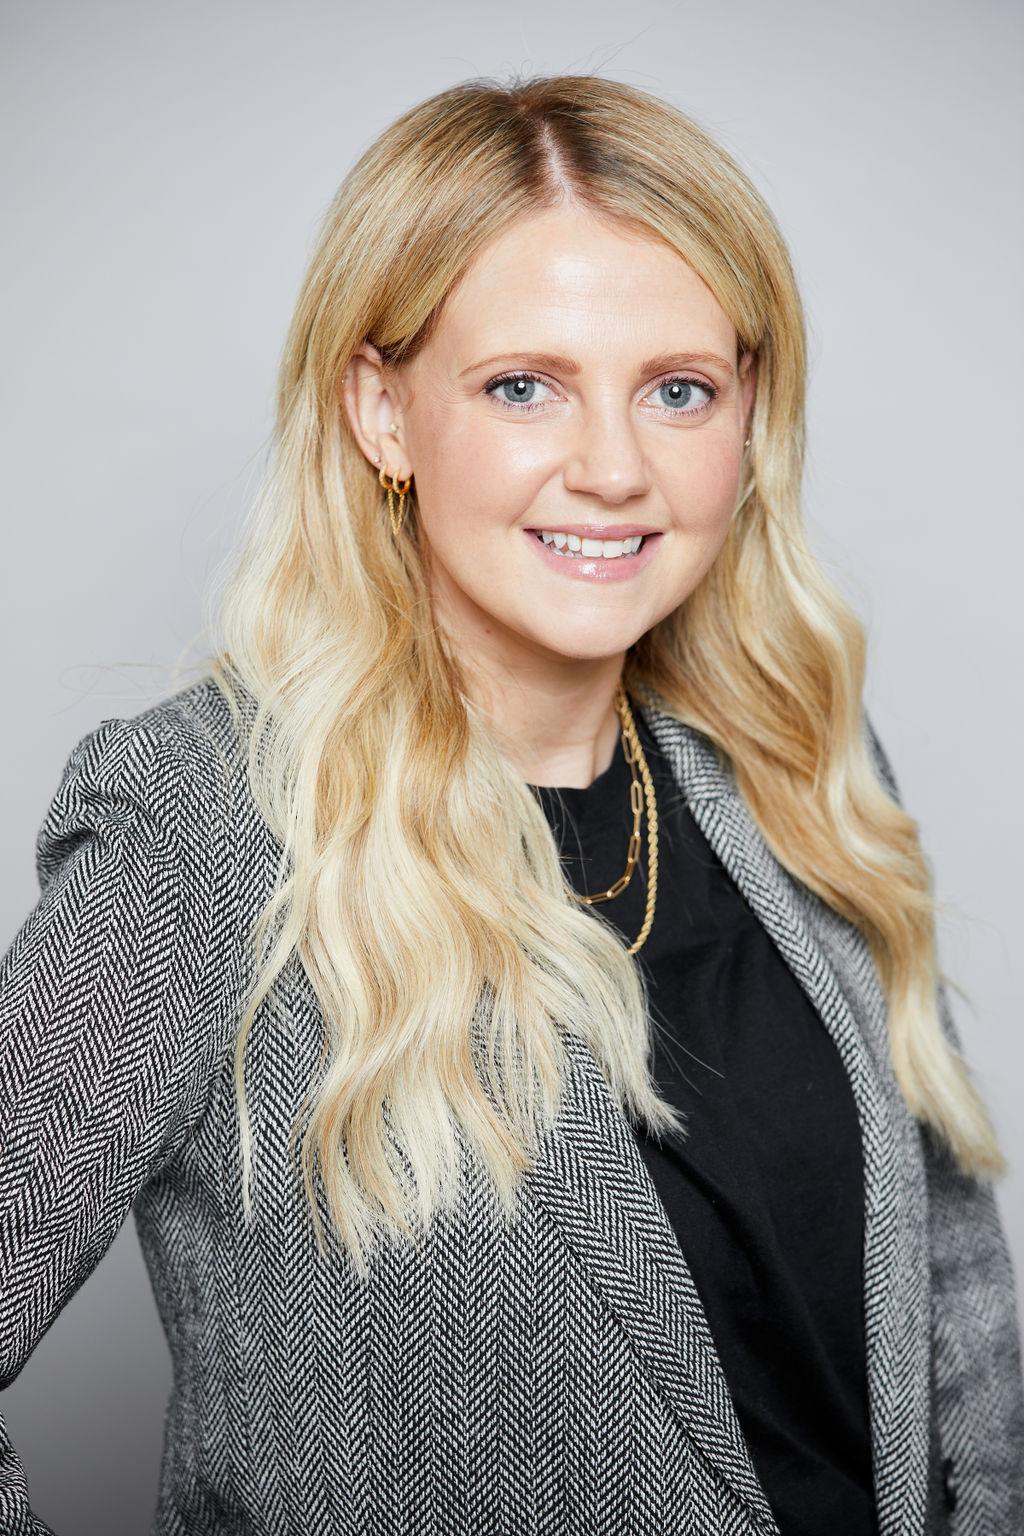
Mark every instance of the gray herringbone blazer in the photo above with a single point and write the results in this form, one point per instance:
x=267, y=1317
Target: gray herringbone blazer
x=556, y=1378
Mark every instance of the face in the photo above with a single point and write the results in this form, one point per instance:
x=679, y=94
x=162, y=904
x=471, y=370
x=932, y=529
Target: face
x=581, y=389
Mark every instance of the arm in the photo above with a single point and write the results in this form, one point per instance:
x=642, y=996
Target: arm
x=975, y=1334
x=113, y=1009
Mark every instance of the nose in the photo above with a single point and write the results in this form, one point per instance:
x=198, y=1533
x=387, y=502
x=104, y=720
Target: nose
x=605, y=458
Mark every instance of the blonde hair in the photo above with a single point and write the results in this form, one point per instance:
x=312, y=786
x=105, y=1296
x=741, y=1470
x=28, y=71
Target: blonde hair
x=420, y=885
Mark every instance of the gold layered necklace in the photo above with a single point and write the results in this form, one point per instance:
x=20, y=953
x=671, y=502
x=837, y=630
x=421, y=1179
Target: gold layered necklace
x=640, y=790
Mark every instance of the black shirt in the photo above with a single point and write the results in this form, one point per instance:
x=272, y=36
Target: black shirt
x=765, y=1193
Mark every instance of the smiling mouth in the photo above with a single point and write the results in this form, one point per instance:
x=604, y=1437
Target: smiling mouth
x=574, y=548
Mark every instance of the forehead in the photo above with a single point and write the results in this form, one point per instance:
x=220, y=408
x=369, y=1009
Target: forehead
x=565, y=276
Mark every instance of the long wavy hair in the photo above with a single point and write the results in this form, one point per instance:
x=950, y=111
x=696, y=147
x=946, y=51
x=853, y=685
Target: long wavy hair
x=420, y=885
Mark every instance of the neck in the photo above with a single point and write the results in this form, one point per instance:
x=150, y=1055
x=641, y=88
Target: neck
x=558, y=727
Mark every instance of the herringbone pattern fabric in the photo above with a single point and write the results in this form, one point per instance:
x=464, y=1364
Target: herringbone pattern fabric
x=975, y=1329
x=554, y=1377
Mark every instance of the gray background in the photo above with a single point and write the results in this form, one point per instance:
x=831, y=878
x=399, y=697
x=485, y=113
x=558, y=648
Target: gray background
x=165, y=169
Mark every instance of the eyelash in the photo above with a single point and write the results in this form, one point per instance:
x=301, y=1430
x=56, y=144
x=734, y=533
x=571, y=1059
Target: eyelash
x=525, y=406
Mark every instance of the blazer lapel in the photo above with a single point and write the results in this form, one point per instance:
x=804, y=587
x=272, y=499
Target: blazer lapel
x=592, y=1181
x=832, y=962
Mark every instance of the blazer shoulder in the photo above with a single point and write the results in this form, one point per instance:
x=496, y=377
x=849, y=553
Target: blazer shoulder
x=165, y=773
x=200, y=727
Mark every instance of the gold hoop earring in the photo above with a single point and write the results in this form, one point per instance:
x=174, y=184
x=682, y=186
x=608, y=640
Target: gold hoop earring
x=391, y=484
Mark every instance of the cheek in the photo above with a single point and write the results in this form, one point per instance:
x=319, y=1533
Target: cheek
x=471, y=482
x=704, y=497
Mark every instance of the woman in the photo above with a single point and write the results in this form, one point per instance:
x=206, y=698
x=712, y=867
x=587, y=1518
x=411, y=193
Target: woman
x=527, y=864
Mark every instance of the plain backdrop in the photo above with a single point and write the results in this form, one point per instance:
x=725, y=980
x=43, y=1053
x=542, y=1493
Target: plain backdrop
x=165, y=167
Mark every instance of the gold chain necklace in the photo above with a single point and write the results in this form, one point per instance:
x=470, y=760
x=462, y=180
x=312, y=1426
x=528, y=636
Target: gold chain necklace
x=635, y=757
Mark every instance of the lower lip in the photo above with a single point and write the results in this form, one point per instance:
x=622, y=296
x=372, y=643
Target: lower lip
x=596, y=567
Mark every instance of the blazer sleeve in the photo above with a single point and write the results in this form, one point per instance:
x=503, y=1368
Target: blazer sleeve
x=975, y=1326
x=114, y=1008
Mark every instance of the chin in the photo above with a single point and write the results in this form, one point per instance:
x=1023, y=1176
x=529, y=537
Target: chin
x=585, y=647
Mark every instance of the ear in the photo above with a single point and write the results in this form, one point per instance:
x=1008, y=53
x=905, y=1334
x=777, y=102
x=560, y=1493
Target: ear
x=748, y=387
x=371, y=406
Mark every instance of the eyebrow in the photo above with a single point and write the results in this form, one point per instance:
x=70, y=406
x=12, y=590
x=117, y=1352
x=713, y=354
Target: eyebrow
x=554, y=362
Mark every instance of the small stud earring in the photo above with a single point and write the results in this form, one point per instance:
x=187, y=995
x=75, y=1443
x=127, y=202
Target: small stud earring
x=393, y=427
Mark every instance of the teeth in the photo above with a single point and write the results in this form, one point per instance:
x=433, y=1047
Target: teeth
x=607, y=549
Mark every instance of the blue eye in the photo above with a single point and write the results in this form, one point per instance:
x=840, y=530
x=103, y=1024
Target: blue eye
x=521, y=387
x=681, y=391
